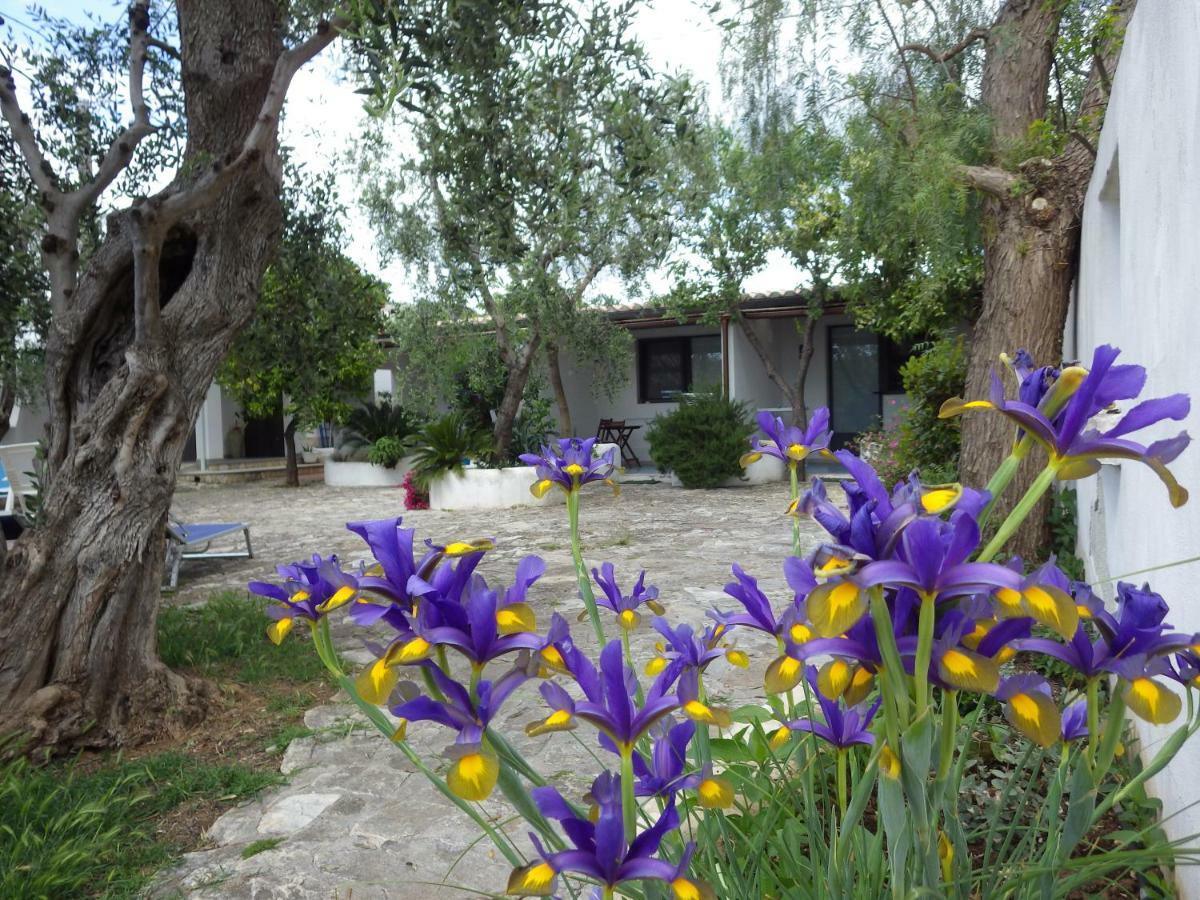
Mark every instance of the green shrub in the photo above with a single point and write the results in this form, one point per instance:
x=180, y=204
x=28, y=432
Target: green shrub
x=700, y=441
x=928, y=443
x=386, y=452
x=533, y=426
x=441, y=446
x=374, y=421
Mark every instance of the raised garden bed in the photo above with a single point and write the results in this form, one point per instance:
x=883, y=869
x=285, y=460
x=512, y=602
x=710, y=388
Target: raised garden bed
x=364, y=474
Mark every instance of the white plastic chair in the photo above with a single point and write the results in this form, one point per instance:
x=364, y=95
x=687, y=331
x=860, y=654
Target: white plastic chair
x=16, y=464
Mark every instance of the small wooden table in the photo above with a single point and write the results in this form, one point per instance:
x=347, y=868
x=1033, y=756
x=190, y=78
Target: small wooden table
x=615, y=431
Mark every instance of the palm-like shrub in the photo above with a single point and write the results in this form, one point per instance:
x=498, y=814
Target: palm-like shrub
x=441, y=447
x=375, y=420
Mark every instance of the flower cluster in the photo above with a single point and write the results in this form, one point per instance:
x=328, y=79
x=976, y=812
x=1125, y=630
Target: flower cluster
x=898, y=611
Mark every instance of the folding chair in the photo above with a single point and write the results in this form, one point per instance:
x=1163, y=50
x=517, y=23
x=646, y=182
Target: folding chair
x=183, y=539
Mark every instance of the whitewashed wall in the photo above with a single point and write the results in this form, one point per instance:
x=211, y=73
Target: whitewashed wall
x=1138, y=289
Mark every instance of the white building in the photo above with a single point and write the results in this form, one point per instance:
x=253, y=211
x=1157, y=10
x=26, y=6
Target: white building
x=855, y=373
x=1138, y=290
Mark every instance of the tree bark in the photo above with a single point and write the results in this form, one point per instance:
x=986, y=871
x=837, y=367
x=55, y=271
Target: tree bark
x=566, y=427
x=289, y=454
x=8, y=400
x=514, y=390
x=131, y=350
x=1031, y=234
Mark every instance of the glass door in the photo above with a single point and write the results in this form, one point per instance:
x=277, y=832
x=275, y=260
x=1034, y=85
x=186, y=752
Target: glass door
x=853, y=382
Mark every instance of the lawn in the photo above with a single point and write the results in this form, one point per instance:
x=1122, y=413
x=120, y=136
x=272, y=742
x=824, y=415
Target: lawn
x=101, y=825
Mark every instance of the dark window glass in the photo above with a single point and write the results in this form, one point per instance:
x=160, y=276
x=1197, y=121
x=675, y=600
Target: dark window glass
x=668, y=367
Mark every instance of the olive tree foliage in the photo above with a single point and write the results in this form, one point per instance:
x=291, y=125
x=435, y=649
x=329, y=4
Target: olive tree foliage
x=314, y=337
x=778, y=188
x=72, y=75
x=971, y=126
x=528, y=181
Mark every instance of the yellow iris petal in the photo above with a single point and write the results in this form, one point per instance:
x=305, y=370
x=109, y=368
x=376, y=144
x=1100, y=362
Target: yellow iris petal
x=463, y=548
x=628, y=619
x=945, y=856
x=940, y=499
x=376, y=682
x=1053, y=608
x=967, y=671
x=707, y=715
x=559, y=720
x=300, y=596
x=656, y=665
x=715, y=793
x=834, y=565
x=748, y=458
x=833, y=678
x=341, y=597
x=1149, y=700
x=797, y=452
x=1009, y=602
x=957, y=405
x=533, y=880
x=782, y=674
x=889, y=763
x=737, y=658
x=516, y=618
x=685, y=889
x=553, y=659
x=401, y=731
x=860, y=686
x=800, y=633
x=279, y=629
x=411, y=651
x=833, y=608
x=780, y=737
x=573, y=469
x=1034, y=715
x=540, y=488
x=473, y=776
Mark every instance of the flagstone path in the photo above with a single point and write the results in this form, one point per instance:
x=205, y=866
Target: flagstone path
x=355, y=819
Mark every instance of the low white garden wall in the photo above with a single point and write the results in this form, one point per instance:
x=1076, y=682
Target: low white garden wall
x=364, y=474
x=489, y=489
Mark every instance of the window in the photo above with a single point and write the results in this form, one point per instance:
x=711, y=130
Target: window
x=668, y=367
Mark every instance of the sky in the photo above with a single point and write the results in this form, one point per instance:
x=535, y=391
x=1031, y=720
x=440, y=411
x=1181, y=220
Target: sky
x=322, y=115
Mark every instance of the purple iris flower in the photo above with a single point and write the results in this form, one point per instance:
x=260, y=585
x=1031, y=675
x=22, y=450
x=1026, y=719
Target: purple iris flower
x=682, y=650
x=600, y=851
x=568, y=463
x=758, y=613
x=392, y=548
x=1074, y=721
x=1076, y=449
x=1034, y=381
x=625, y=605
x=841, y=728
x=789, y=443
x=609, y=702
x=1136, y=633
x=309, y=591
x=664, y=773
x=513, y=612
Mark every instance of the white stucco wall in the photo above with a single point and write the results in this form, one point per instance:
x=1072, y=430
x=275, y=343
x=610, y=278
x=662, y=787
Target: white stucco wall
x=29, y=425
x=1138, y=285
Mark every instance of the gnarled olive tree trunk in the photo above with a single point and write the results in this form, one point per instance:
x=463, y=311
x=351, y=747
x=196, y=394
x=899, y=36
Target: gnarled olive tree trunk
x=1031, y=226
x=133, y=345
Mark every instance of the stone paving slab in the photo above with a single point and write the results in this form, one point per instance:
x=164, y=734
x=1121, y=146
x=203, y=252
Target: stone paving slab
x=355, y=820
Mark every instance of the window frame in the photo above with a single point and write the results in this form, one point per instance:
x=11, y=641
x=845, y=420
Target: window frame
x=684, y=343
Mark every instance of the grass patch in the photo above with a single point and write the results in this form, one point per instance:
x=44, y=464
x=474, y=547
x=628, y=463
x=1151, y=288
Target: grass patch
x=64, y=832
x=257, y=847
x=226, y=637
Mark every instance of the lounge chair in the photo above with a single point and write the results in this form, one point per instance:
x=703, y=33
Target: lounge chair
x=183, y=541
x=16, y=462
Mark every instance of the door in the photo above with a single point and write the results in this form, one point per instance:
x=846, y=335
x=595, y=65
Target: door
x=854, y=360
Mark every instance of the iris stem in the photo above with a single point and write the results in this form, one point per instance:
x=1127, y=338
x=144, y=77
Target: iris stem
x=581, y=572
x=1093, y=719
x=1004, y=475
x=629, y=661
x=628, y=800
x=842, y=791
x=794, y=495
x=1020, y=512
x=949, y=733
x=895, y=707
x=925, y=624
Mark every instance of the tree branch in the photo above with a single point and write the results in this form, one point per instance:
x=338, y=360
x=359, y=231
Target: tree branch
x=944, y=56
x=258, y=142
x=39, y=167
x=908, y=73
x=989, y=179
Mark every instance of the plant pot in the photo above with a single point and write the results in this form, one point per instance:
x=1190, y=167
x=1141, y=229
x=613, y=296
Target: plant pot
x=489, y=489
x=365, y=474
x=308, y=456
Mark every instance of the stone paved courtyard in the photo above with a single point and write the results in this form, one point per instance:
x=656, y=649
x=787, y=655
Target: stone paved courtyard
x=355, y=819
